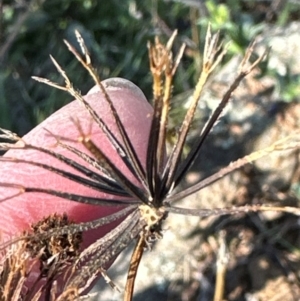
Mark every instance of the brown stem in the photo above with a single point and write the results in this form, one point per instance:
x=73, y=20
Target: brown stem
x=133, y=267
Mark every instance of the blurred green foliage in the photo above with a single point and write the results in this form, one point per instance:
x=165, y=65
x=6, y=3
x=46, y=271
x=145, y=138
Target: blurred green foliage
x=116, y=32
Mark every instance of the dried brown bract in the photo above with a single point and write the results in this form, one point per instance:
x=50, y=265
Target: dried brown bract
x=13, y=272
x=53, y=254
x=55, y=250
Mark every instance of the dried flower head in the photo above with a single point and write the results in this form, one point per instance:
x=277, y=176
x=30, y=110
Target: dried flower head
x=147, y=197
x=59, y=249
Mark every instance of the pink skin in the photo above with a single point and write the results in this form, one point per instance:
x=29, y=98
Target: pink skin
x=19, y=212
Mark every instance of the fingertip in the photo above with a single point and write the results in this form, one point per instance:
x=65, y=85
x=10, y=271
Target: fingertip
x=118, y=83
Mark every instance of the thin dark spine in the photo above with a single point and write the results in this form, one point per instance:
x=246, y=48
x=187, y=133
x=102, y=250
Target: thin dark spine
x=215, y=116
x=133, y=161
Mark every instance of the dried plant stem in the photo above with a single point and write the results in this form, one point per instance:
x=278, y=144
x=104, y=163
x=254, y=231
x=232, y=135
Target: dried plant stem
x=211, y=59
x=149, y=201
x=222, y=260
x=287, y=143
x=133, y=267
